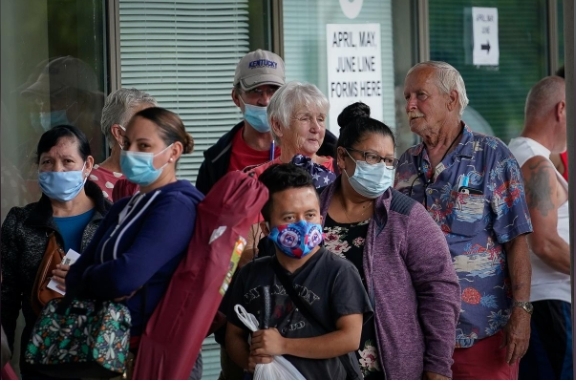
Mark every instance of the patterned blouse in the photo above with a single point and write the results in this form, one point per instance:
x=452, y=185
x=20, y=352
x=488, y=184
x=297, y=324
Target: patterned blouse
x=347, y=241
x=105, y=179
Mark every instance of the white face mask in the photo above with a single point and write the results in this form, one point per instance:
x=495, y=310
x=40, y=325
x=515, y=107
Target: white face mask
x=49, y=119
x=370, y=180
x=139, y=168
x=256, y=116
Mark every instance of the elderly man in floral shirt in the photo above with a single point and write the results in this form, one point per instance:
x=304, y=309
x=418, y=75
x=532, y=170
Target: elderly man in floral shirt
x=472, y=187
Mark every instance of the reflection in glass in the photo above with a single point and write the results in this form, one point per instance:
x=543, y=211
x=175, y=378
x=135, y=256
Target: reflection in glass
x=52, y=72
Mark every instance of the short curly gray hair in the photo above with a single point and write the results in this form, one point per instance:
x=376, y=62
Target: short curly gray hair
x=448, y=79
x=119, y=109
x=289, y=97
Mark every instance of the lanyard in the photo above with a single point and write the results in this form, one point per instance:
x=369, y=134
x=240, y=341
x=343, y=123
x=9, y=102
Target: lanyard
x=272, y=150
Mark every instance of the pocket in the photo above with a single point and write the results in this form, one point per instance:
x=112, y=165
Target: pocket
x=466, y=214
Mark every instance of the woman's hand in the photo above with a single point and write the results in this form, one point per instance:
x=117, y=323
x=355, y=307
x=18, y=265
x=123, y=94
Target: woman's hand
x=59, y=275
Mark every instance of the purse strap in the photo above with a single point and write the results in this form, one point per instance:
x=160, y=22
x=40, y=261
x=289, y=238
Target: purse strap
x=52, y=250
x=351, y=372
x=70, y=295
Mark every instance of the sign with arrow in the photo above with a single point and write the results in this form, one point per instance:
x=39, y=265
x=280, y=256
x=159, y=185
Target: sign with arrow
x=485, y=33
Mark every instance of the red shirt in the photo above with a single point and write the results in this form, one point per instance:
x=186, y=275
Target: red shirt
x=105, y=179
x=245, y=156
x=564, y=159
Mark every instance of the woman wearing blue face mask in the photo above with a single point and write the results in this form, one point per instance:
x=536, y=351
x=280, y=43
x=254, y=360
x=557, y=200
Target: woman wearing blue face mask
x=70, y=208
x=143, y=238
x=401, y=254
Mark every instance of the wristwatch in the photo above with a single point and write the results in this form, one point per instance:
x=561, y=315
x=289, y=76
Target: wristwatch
x=526, y=305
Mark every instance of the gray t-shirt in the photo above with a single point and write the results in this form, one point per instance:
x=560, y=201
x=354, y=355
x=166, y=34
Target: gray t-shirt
x=331, y=287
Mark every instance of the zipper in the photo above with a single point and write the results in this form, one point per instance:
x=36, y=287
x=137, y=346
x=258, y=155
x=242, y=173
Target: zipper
x=122, y=216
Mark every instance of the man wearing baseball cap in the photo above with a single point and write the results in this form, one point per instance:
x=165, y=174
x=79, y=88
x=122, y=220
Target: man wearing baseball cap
x=258, y=75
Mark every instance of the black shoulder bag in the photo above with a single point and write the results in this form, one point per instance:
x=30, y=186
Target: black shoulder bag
x=351, y=371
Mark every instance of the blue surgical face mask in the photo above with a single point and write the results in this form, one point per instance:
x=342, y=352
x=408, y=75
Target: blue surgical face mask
x=62, y=185
x=297, y=239
x=370, y=180
x=139, y=168
x=53, y=118
x=257, y=117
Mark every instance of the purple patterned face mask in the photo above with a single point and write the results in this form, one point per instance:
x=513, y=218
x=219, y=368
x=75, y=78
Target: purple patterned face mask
x=297, y=239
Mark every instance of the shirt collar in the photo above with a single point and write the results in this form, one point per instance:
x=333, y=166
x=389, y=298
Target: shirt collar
x=465, y=148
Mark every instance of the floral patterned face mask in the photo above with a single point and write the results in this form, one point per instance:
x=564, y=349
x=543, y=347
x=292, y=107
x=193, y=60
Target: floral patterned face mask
x=297, y=239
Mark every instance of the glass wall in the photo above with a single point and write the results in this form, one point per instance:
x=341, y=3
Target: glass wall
x=184, y=53
x=405, y=32
x=560, y=31
x=52, y=71
x=329, y=43
x=497, y=91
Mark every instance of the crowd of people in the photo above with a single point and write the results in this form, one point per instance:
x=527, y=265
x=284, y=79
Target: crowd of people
x=449, y=261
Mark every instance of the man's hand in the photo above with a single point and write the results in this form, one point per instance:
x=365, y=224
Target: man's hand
x=254, y=360
x=59, y=275
x=267, y=342
x=431, y=375
x=516, y=335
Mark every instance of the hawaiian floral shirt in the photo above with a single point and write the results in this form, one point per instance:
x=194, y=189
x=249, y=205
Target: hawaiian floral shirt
x=477, y=199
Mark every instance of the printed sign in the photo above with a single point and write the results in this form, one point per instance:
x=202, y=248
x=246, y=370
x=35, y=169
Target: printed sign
x=485, y=34
x=354, y=68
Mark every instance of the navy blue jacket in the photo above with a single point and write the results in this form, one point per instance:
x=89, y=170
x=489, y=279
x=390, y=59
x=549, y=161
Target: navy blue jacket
x=137, y=249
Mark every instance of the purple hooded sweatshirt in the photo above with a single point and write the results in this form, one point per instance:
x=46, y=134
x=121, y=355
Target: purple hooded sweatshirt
x=412, y=285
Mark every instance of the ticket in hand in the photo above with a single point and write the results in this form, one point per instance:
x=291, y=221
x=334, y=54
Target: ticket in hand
x=69, y=259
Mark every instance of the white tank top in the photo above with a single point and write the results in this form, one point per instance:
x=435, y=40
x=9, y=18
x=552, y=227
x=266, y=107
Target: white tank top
x=547, y=283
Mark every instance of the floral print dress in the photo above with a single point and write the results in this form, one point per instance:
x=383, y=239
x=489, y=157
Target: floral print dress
x=347, y=241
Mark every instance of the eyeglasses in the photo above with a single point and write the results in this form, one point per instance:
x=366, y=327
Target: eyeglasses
x=372, y=158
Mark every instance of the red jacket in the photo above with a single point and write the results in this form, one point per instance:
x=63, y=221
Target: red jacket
x=174, y=334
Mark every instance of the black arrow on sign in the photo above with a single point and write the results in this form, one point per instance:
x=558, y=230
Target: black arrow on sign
x=485, y=47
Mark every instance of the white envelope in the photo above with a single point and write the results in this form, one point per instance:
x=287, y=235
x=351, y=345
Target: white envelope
x=69, y=259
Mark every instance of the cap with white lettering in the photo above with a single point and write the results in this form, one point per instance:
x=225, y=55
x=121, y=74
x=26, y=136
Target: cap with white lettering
x=259, y=67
